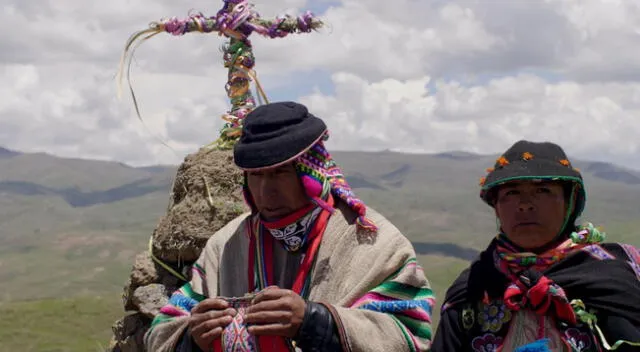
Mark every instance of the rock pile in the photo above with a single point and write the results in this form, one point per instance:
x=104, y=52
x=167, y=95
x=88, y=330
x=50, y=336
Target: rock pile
x=205, y=196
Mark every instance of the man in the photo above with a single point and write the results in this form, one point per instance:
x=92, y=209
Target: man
x=543, y=283
x=327, y=274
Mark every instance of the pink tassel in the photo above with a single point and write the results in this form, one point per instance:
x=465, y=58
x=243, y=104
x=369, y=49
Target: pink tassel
x=312, y=187
x=322, y=204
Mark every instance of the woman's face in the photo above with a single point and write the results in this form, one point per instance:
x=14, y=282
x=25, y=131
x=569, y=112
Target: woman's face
x=531, y=213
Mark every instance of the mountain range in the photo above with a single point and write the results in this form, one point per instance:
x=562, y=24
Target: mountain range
x=75, y=224
x=70, y=229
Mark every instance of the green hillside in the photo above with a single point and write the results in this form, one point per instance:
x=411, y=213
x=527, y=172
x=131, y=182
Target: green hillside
x=69, y=229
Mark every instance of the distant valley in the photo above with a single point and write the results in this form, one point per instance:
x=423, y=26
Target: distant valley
x=66, y=214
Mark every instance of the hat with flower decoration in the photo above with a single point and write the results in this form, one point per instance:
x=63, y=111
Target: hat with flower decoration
x=534, y=161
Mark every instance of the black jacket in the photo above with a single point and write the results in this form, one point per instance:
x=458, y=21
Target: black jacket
x=610, y=286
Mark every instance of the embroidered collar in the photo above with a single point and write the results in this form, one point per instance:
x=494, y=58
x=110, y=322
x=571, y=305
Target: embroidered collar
x=292, y=231
x=510, y=258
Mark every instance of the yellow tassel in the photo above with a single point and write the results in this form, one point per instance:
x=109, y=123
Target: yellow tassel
x=129, y=49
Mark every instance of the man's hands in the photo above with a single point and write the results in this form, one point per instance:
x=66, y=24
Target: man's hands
x=275, y=311
x=208, y=320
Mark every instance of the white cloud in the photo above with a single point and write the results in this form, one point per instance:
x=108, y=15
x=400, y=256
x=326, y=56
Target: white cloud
x=596, y=121
x=58, y=91
x=380, y=39
x=606, y=31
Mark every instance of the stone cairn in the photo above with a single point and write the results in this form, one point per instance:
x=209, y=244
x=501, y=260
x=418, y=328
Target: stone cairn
x=206, y=195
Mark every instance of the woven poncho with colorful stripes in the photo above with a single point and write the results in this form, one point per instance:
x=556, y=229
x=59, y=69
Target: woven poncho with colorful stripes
x=407, y=302
x=410, y=305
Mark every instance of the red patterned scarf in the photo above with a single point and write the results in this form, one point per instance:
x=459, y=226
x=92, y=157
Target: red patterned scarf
x=293, y=230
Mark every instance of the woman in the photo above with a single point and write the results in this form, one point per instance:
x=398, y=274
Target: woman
x=542, y=284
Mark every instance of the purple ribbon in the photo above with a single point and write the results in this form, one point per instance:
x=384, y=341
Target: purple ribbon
x=304, y=21
x=175, y=26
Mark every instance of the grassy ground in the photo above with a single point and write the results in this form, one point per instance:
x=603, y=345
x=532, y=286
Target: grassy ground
x=58, y=325
x=88, y=264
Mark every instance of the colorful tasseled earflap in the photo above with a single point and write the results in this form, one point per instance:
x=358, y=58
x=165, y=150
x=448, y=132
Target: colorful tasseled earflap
x=311, y=168
x=316, y=168
x=319, y=175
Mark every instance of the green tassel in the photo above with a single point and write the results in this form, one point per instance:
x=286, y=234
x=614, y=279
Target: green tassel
x=593, y=235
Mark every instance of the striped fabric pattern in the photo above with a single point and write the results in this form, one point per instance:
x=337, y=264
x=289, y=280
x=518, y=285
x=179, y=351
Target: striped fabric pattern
x=410, y=304
x=180, y=304
x=182, y=300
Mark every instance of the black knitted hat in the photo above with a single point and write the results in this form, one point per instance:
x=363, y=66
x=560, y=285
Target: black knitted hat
x=276, y=133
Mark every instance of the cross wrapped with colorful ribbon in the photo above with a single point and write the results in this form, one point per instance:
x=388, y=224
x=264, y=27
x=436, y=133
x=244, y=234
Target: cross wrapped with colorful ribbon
x=236, y=20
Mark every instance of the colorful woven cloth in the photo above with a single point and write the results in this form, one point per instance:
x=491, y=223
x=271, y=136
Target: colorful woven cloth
x=367, y=299
x=236, y=337
x=409, y=304
x=317, y=165
x=510, y=260
x=540, y=294
x=182, y=300
x=529, y=289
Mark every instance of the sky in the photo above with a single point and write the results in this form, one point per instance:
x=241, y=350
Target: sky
x=404, y=75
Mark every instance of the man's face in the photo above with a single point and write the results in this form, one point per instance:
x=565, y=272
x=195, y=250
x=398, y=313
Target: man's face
x=531, y=213
x=276, y=192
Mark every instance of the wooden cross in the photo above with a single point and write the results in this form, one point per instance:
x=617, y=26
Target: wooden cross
x=236, y=20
